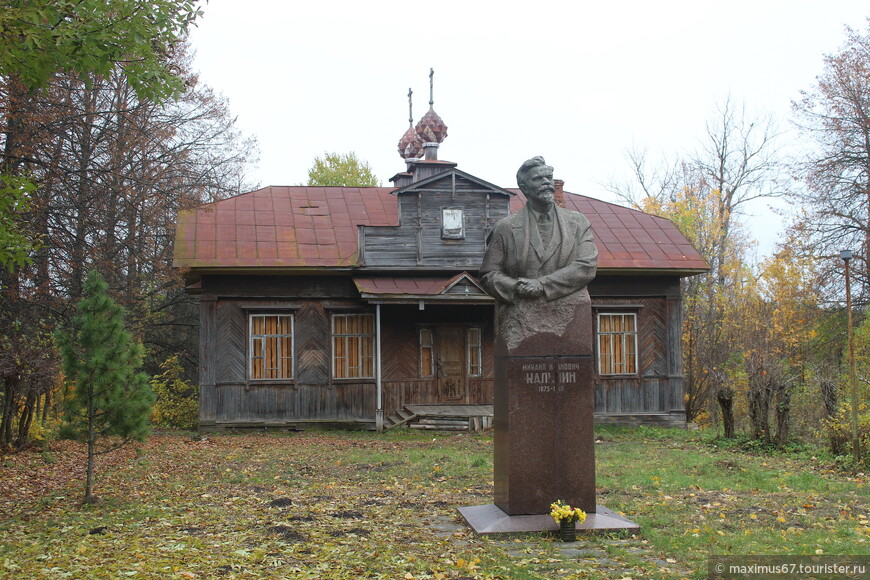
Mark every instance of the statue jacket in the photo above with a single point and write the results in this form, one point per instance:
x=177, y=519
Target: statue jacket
x=515, y=250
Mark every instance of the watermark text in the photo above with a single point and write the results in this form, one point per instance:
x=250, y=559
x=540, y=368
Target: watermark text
x=785, y=567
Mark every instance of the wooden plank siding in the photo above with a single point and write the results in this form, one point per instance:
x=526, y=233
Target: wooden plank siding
x=291, y=403
x=228, y=397
x=417, y=240
x=657, y=388
x=402, y=383
x=227, y=394
x=207, y=351
x=398, y=393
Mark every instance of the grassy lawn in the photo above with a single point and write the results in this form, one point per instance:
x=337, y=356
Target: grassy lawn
x=362, y=505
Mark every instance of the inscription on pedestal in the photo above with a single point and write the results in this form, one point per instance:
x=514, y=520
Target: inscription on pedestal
x=551, y=376
x=549, y=452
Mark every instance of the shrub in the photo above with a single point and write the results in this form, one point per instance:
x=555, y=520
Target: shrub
x=839, y=429
x=177, y=403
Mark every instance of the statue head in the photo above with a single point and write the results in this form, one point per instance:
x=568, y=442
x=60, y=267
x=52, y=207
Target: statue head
x=535, y=180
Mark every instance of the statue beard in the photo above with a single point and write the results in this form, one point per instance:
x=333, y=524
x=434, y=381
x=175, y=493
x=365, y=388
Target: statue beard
x=546, y=194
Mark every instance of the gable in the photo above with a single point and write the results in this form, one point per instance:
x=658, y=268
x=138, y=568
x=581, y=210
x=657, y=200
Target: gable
x=443, y=224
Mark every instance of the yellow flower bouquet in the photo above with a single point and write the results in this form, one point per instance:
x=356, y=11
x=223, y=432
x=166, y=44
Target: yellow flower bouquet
x=562, y=512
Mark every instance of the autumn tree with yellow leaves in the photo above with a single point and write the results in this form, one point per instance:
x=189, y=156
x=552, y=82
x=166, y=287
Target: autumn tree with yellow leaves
x=781, y=315
x=834, y=118
x=705, y=195
x=708, y=336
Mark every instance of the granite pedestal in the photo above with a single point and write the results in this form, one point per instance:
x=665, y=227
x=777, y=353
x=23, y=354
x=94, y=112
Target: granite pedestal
x=490, y=519
x=543, y=418
x=544, y=436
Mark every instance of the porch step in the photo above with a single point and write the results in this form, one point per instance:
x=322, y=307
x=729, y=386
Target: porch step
x=444, y=424
x=442, y=417
x=400, y=417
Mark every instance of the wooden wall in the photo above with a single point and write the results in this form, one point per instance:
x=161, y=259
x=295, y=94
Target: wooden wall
x=228, y=399
x=658, y=388
x=417, y=241
x=402, y=384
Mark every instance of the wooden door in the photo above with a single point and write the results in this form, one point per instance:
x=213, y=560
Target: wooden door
x=450, y=364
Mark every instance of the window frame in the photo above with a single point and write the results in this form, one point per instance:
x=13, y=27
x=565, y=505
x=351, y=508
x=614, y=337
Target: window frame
x=362, y=357
x=263, y=338
x=614, y=335
x=424, y=374
x=453, y=213
x=477, y=348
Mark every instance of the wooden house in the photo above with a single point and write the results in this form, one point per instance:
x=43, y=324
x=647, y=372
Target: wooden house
x=345, y=305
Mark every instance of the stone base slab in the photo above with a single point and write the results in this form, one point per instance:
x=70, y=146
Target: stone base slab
x=490, y=519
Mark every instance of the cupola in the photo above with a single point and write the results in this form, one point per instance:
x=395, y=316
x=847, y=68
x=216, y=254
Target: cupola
x=419, y=145
x=431, y=128
x=410, y=146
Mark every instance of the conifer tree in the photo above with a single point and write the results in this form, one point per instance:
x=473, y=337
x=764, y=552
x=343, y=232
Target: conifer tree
x=109, y=396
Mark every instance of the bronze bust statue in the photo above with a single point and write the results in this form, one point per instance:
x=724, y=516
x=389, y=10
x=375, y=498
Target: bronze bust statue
x=538, y=261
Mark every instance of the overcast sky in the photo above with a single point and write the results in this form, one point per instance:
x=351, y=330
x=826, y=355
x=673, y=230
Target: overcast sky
x=577, y=82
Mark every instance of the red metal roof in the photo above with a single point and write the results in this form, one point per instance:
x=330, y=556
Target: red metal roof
x=404, y=289
x=282, y=227
x=415, y=286
x=395, y=285
x=628, y=239
x=315, y=227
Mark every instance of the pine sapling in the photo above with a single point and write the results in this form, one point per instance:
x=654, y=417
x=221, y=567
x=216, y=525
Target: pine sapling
x=110, y=400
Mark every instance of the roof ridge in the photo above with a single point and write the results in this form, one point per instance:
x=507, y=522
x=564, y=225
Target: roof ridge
x=603, y=201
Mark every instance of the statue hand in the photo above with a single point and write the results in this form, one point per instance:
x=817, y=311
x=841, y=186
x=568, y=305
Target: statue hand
x=527, y=288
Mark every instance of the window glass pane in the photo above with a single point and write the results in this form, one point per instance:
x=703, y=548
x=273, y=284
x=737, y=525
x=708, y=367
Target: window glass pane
x=452, y=224
x=257, y=370
x=353, y=346
x=475, y=367
x=604, y=355
x=286, y=362
x=271, y=346
x=353, y=356
x=617, y=344
x=340, y=367
x=630, y=354
x=271, y=356
x=425, y=352
x=368, y=367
